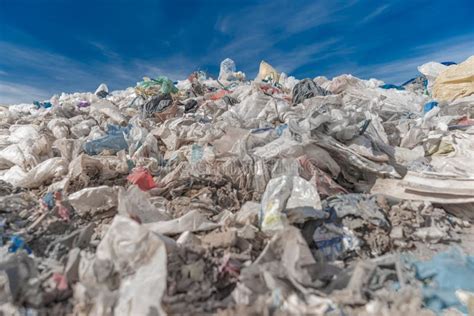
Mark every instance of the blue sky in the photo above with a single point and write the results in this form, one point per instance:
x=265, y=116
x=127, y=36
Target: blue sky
x=51, y=46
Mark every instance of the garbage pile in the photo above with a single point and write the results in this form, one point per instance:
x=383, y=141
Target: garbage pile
x=272, y=196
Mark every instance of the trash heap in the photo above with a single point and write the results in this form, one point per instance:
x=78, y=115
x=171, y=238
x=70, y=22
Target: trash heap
x=273, y=196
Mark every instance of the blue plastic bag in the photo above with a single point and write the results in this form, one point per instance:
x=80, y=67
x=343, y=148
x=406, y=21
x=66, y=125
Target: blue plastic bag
x=48, y=200
x=114, y=141
x=445, y=273
x=422, y=78
x=18, y=243
x=429, y=106
x=279, y=130
x=391, y=86
x=197, y=152
x=45, y=105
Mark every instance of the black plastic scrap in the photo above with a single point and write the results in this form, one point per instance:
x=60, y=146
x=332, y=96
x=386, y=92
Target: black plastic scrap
x=306, y=89
x=156, y=104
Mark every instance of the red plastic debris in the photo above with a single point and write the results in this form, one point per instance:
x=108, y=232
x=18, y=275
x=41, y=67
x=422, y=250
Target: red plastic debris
x=219, y=94
x=61, y=281
x=62, y=210
x=230, y=266
x=270, y=89
x=465, y=121
x=142, y=178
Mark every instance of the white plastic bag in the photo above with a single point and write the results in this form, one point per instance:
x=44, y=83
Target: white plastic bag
x=107, y=108
x=431, y=71
x=136, y=203
x=289, y=200
x=140, y=258
x=22, y=132
x=91, y=201
x=41, y=174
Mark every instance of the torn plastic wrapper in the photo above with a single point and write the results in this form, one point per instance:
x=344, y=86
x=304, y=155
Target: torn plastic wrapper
x=448, y=271
x=455, y=82
x=142, y=178
x=192, y=221
x=130, y=247
x=42, y=174
x=136, y=204
x=93, y=201
x=108, y=109
x=285, y=264
x=113, y=142
x=289, y=200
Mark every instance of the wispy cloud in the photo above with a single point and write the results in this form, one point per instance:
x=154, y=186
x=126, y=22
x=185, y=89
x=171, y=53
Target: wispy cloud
x=298, y=37
x=55, y=73
x=378, y=11
x=289, y=62
x=41, y=60
x=253, y=37
x=11, y=93
x=273, y=15
x=104, y=50
x=399, y=70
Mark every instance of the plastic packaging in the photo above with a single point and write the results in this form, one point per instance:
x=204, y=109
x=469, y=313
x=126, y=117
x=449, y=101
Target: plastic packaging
x=136, y=204
x=140, y=258
x=142, y=178
x=429, y=106
x=391, y=86
x=447, y=272
x=227, y=70
x=113, y=142
x=160, y=85
x=18, y=243
x=289, y=200
x=306, y=89
x=455, y=82
x=94, y=200
x=45, y=105
x=431, y=71
x=108, y=109
x=267, y=73
x=39, y=175
x=102, y=91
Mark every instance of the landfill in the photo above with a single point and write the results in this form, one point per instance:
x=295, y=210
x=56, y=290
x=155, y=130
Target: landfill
x=240, y=196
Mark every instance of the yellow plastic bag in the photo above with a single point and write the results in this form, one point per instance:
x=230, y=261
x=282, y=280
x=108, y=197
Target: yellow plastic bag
x=455, y=82
x=267, y=72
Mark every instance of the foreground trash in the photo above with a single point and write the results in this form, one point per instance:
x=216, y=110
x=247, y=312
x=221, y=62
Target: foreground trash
x=235, y=196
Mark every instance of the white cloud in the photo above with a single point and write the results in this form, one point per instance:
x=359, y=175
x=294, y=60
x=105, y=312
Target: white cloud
x=289, y=62
x=378, y=11
x=104, y=50
x=55, y=73
x=11, y=93
x=399, y=70
x=255, y=32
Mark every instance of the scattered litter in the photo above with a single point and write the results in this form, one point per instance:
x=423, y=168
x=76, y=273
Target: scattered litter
x=234, y=196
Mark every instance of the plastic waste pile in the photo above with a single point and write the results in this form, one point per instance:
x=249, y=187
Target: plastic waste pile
x=232, y=196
